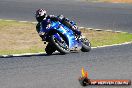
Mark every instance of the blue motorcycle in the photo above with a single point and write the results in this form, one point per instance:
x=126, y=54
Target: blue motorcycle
x=62, y=39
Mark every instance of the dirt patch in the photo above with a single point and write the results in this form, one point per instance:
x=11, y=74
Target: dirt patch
x=111, y=1
x=18, y=36
x=118, y=1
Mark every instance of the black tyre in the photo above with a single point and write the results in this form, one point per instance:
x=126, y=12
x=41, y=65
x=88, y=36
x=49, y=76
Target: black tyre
x=50, y=49
x=86, y=45
x=62, y=47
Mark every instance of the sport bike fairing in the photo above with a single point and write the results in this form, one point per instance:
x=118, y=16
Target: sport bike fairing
x=68, y=33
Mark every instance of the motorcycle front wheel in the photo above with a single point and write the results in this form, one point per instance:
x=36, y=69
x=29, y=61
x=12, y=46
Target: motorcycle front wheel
x=61, y=46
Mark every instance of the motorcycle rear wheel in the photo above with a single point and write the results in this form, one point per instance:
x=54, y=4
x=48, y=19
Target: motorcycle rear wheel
x=86, y=45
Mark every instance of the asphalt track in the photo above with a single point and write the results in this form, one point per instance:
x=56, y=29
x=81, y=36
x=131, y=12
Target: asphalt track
x=96, y=15
x=62, y=71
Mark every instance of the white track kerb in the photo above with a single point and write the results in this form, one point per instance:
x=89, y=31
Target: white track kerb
x=42, y=53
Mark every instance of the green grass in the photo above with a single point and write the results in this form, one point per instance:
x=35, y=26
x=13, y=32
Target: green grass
x=31, y=50
x=101, y=38
x=115, y=39
x=17, y=38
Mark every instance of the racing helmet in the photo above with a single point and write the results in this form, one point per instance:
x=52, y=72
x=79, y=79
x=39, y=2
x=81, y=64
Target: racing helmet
x=40, y=15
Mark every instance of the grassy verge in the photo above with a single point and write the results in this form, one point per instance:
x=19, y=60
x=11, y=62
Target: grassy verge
x=18, y=37
x=100, y=38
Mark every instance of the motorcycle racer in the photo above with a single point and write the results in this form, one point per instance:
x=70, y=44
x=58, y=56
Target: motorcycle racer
x=41, y=16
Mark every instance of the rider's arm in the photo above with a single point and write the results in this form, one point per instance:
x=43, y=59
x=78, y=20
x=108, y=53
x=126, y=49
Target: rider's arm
x=52, y=18
x=66, y=22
